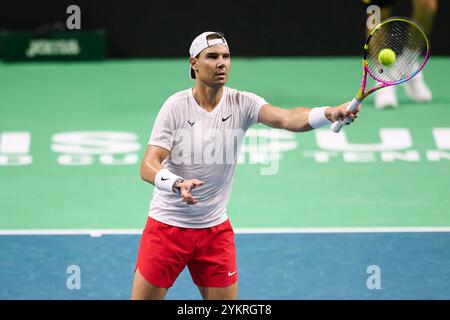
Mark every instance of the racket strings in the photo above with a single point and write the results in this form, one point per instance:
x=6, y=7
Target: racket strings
x=409, y=45
x=394, y=39
x=404, y=57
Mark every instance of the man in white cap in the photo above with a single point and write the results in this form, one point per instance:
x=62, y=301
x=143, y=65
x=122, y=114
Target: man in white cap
x=190, y=158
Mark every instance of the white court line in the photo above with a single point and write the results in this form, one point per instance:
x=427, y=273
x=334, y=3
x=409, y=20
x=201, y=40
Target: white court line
x=100, y=232
x=344, y=230
x=91, y=232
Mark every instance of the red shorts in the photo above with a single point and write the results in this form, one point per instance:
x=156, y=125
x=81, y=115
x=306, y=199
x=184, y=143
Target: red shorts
x=209, y=253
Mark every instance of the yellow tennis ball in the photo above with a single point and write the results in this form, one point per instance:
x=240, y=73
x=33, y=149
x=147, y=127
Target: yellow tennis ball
x=386, y=57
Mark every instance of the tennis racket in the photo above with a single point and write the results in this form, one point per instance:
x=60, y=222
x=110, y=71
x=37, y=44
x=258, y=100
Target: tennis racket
x=410, y=45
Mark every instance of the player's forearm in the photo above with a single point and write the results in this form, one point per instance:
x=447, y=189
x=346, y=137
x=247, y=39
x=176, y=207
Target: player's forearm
x=149, y=170
x=297, y=120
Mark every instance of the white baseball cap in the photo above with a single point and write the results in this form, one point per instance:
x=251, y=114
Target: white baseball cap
x=200, y=43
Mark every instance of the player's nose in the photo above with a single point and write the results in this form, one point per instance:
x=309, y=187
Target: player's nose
x=221, y=62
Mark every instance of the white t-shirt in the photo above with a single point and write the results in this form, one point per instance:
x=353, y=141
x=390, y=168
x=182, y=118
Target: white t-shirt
x=205, y=146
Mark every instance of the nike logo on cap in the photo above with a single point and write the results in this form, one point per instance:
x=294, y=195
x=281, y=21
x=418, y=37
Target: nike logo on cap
x=225, y=119
x=164, y=179
x=231, y=273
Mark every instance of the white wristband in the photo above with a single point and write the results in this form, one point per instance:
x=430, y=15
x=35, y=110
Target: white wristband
x=317, y=118
x=165, y=180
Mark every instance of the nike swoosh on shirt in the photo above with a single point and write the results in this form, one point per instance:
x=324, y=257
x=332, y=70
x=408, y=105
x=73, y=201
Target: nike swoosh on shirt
x=225, y=119
x=164, y=179
x=231, y=273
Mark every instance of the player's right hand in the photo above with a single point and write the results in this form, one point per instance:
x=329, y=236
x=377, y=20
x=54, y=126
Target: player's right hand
x=340, y=112
x=185, y=189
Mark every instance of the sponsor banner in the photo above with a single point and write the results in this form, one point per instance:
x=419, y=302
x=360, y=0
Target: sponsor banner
x=56, y=45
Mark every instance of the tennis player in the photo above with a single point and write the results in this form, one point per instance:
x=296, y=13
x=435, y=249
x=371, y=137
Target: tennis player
x=187, y=223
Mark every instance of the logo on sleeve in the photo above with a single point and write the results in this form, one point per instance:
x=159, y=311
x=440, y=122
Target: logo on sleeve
x=164, y=179
x=191, y=123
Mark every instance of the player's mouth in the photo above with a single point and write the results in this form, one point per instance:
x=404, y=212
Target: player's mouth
x=221, y=74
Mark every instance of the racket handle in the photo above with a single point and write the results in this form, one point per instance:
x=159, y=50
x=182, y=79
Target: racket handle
x=352, y=106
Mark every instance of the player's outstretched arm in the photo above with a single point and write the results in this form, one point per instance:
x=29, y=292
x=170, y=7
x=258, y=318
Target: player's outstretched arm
x=301, y=119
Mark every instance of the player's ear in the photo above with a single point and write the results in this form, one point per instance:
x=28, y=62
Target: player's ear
x=193, y=62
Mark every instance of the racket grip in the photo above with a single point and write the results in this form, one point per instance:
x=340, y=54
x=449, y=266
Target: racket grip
x=352, y=106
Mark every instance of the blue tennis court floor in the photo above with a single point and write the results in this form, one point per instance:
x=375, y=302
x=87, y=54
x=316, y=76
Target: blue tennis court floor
x=379, y=265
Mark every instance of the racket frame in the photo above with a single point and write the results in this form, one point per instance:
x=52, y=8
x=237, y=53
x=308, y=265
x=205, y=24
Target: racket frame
x=362, y=93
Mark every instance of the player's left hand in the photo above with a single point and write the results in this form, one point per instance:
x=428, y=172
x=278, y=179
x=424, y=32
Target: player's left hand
x=185, y=190
x=340, y=113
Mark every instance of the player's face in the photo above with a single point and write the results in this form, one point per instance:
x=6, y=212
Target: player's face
x=213, y=65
